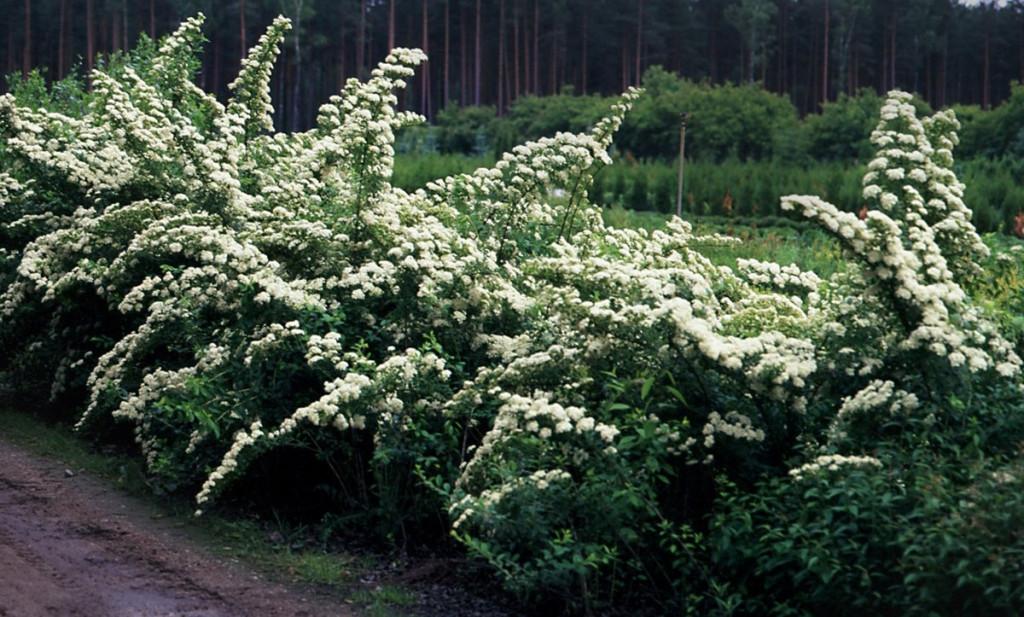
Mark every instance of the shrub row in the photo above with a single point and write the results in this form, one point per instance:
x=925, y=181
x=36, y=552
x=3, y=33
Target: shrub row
x=607, y=418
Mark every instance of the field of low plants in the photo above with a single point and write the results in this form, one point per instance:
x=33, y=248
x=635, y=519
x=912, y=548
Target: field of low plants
x=613, y=412
x=750, y=192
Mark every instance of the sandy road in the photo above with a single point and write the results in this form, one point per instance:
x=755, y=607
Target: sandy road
x=73, y=546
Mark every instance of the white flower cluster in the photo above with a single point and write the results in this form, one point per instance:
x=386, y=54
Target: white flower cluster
x=912, y=179
x=903, y=261
x=467, y=507
x=276, y=334
x=769, y=361
x=832, y=462
x=539, y=416
x=251, y=106
x=875, y=401
x=875, y=395
x=243, y=439
x=735, y=425
x=782, y=278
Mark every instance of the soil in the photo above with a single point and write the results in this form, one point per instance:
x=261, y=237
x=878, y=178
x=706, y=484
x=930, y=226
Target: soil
x=72, y=546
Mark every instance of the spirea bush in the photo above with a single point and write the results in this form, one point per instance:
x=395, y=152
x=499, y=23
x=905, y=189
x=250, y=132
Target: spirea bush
x=590, y=409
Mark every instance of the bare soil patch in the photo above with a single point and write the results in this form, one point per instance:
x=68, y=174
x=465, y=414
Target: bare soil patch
x=72, y=546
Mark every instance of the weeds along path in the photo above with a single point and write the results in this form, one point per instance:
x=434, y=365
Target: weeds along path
x=72, y=546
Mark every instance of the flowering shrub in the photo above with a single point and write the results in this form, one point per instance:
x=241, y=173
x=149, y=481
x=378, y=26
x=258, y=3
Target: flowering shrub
x=573, y=396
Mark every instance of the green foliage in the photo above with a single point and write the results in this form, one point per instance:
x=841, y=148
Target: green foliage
x=725, y=121
x=998, y=132
x=842, y=130
x=415, y=171
x=533, y=117
x=1000, y=290
x=465, y=130
x=903, y=539
x=68, y=95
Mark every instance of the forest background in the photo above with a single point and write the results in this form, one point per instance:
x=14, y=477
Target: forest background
x=783, y=93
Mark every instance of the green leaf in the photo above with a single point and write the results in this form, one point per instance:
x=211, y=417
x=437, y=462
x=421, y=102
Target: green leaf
x=645, y=390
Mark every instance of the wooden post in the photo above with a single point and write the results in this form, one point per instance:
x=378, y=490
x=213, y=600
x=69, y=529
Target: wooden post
x=682, y=161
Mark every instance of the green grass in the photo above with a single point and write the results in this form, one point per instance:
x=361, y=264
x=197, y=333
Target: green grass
x=806, y=247
x=384, y=601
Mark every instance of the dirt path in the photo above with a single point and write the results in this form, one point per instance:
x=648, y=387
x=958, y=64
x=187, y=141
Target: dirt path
x=71, y=546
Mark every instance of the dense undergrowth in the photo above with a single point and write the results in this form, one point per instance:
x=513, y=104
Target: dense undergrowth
x=607, y=417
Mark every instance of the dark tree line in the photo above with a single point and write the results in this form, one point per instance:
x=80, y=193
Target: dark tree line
x=495, y=51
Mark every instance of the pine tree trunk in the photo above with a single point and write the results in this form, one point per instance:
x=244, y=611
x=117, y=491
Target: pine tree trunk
x=813, y=72
x=780, y=65
x=10, y=47
x=152, y=17
x=26, y=53
x=218, y=58
x=115, y=33
x=463, y=57
x=1020, y=51
x=391, y=25
x=583, y=52
x=297, y=85
x=527, y=58
x=751, y=57
x=884, y=72
x=62, y=39
x=793, y=65
x=447, y=51
x=552, y=66
x=501, y=57
x=425, y=70
x=625, y=63
x=639, y=40
x=849, y=52
x=342, y=62
x=677, y=54
x=928, y=79
x=713, y=50
x=764, y=67
x=90, y=34
x=563, y=56
x=361, y=40
x=824, y=57
x=856, y=71
x=892, y=53
x=536, y=47
x=515, y=54
x=242, y=40
x=477, y=58
x=942, y=71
